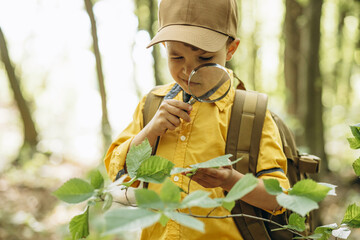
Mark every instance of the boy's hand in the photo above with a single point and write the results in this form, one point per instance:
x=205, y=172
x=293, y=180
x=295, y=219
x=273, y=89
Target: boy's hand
x=224, y=177
x=168, y=116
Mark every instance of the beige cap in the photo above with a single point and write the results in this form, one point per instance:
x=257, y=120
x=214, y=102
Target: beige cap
x=205, y=24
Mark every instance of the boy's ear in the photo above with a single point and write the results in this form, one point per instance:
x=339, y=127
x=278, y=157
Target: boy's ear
x=231, y=49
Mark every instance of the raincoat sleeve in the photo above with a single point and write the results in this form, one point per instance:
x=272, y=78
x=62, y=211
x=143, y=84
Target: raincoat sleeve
x=272, y=162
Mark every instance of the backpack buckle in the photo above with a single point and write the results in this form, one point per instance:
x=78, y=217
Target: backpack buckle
x=309, y=163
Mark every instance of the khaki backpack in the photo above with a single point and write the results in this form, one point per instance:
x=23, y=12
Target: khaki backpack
x=243, y=140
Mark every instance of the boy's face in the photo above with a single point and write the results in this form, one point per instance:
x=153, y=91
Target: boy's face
x=183, y=58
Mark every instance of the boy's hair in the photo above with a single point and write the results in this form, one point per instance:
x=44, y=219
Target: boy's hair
x=205, y=24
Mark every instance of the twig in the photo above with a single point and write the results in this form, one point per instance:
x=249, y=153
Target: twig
x=129, y=203
x=248, y=216
x=212, y=210
x=188, y=191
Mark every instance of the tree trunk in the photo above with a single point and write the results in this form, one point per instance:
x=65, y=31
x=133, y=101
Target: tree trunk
x=291, y=54
x=105, y=124
x=30, y=132
x=310, y=82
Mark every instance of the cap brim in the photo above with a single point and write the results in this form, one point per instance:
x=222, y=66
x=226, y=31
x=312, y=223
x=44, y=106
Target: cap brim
x=205, y=39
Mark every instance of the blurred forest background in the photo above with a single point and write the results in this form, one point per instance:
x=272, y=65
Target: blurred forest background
x=72, y=72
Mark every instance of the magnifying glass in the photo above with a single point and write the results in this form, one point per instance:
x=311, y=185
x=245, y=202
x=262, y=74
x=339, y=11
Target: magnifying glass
x=208, y=82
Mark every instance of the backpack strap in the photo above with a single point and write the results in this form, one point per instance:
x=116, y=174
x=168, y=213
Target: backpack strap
x=152, y=103
x=243, y=140
x=245, y=128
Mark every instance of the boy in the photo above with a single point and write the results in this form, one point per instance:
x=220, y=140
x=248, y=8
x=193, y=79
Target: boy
x=195, y=32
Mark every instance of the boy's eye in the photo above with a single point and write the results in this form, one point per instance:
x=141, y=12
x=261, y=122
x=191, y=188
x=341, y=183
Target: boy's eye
x=175, y=58
x=205, y=58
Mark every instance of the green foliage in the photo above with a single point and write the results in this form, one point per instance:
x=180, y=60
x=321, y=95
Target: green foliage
x=164, y=206
x=355, y=130
x=296, y=222
x=74, y=191
x=142, y=166
x=356, y=166
x=129, y=219
x=354, y=143
x=352, y=216
x=342, y=232
x=79, y=225
x=303, y=197
x=186, y=220
x=299, y=204
x=163, y=220
x=136, y=155
x=148, y=199
x=216, y=162
x=108, y=199
x=228, y=205
x=199, y=199
x=212, y=163
x=96, y=179
x=310, y=189
x=272, y=186
x=323, y=232
x=155, y=169
x=170, y=193
x=241, y=188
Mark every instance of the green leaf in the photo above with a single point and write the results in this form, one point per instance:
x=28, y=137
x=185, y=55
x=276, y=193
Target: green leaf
x=245, y=185
x=352, y=216
x=272, y=186
x=154, y=169
x=332, y=187
x=354, y=143
x=74, y=191
x=199, y=198
x=229, y=205
x=79, y=225
x=296, y=222
x=170, y=193
x=136, y=155
x=107, y=201
x=299, y=204
x=342, y=232
x=96, y=179
x=355, y=130
x=323, y=232
x=212, y=163
x=163, y=220
x=180, y=170
x=186, y=221
x=310, y=189
x=129, y=219
x=146, y=198
x=356, y=167
x=216, y=162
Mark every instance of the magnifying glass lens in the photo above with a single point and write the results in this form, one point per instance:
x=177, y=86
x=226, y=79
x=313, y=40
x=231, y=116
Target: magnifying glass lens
x=209, y=82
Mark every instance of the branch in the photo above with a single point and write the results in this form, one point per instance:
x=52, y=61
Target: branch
x=248, y=216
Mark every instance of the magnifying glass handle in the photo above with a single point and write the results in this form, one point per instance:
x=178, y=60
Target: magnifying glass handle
x=191, y=101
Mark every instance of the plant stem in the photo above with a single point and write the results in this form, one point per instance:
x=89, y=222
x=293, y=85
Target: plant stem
x=248, y=216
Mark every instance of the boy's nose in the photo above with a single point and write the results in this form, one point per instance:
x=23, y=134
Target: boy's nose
x=188, y=68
